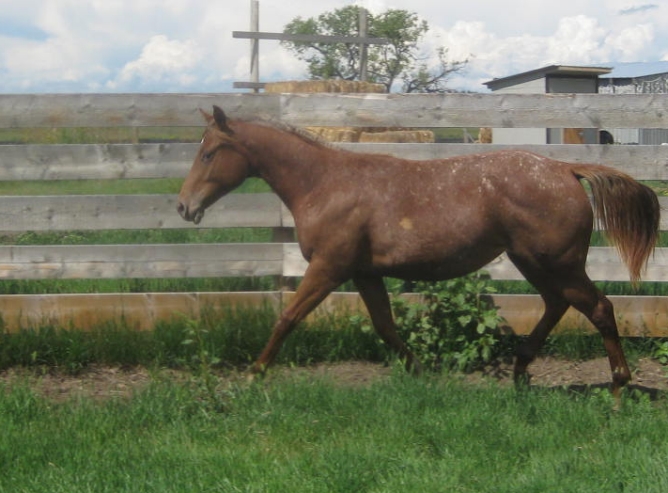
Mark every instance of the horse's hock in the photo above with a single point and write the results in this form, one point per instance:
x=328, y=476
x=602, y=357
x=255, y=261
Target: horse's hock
x=350, y=134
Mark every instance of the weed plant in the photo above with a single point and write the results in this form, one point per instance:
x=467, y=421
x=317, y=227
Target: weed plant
x=455, y=325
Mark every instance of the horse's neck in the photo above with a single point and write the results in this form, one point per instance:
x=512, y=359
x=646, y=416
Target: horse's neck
x=291, y=165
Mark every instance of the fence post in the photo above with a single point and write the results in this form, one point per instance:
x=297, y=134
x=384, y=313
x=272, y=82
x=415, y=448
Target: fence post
x=284, y=235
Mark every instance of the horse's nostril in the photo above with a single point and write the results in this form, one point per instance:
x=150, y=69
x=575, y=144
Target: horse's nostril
x=181, y=209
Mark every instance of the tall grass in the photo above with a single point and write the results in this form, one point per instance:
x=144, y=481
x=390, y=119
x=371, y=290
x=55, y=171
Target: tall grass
x=234, y=337
x=313, y=435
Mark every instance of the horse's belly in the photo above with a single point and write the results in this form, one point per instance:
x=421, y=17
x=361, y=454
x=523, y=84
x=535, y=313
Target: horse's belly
x=437, y=267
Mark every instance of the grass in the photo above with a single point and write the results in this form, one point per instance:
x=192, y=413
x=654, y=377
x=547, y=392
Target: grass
x=233, y=337
x=313, y=435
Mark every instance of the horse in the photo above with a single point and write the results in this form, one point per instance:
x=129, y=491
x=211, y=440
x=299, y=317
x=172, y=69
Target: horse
x=365, y=216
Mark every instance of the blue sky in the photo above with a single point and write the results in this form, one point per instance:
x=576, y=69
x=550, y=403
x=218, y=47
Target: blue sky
x=187, y=45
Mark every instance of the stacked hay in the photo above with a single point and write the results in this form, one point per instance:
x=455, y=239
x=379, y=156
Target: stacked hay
x=485, y=135
x=400, y=136
x=349, y=134
x=317, y=86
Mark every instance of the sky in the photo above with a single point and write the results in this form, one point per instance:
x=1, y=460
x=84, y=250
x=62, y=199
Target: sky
x=93, y=46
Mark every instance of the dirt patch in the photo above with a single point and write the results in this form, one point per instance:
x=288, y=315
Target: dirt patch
x=103, y=383
x=555, y=372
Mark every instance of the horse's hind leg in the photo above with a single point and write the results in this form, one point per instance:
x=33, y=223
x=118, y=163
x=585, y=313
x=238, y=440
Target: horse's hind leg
x=569, y=285
x=375, y=297
x=555, y=307
x=592, y=303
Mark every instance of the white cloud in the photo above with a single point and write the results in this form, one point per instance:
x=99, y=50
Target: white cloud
x=577, y=40
x=172, y=45
x=632, y=42
x=162, y=60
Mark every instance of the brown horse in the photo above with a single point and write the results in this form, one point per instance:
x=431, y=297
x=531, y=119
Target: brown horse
x=362, y=217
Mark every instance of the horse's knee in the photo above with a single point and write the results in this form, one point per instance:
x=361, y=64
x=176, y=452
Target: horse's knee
x=603, y=314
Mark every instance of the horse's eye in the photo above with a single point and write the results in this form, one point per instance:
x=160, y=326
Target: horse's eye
x=206, y=157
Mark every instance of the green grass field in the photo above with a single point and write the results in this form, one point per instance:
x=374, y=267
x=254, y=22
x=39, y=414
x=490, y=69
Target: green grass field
x=309, y=434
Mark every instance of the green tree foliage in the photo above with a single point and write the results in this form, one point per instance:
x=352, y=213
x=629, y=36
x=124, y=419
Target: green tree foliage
x=399, y=61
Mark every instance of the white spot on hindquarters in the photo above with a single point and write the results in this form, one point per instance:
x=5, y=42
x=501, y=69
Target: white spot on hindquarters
x=406, y=224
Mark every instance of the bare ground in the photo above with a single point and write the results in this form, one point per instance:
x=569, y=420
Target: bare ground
x=108, y=382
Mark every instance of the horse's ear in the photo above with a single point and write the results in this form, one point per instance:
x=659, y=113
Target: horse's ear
x=221, y=120
x=207, y=117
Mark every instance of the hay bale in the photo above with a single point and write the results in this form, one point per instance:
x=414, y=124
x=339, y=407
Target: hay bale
x=320, y=86
x=335, y=134
x=399, y=136
x=485, y=135
x=349, y=134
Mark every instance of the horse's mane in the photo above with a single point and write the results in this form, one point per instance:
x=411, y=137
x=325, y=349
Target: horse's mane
x=302, y=133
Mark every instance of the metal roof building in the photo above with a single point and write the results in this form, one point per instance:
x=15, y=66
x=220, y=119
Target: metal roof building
x=617, y=78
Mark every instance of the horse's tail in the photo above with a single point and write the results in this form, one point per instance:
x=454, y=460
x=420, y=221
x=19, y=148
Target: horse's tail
x=629, y=211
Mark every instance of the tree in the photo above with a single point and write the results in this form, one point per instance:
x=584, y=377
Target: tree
x=398, y=61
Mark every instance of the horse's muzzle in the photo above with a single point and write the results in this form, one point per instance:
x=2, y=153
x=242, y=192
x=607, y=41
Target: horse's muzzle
x=194, y=214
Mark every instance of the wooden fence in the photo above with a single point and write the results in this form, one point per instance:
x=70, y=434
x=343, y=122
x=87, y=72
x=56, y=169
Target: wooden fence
x=637, y=315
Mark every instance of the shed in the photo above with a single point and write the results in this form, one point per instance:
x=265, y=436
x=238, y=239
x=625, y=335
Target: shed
x=551, y=79
x=637, y=78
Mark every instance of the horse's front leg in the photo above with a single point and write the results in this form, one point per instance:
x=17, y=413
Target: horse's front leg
x=373, y=292
x=317, y=283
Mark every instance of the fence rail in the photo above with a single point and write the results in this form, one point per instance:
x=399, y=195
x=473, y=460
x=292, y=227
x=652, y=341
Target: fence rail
x=358, y=110
x=637, y=315
x=172, y=160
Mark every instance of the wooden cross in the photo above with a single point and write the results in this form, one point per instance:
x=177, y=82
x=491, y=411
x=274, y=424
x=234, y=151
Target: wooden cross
x=255, y=36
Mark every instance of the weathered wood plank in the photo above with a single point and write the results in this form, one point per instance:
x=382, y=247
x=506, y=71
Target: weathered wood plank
x=637, y=316
x=140, y=261
x=118, y=161
x=95, y=161
x=99, y=212
x=603, y=264
x=240, y=259
x=367, y=110
x=141, y=311
x=127, y=110
x=641, y=162
x=104, y=212
x=477, y=110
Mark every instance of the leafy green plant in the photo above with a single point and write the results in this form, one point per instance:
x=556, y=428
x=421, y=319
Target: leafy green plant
x=660, y=352
x=202, y=361
x=455, y=325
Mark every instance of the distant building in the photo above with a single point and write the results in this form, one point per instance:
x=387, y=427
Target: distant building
x=548, y=80
x=620, y=78
x=637, y=78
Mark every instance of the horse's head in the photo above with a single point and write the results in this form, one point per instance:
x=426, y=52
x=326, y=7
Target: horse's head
x=220, y=166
